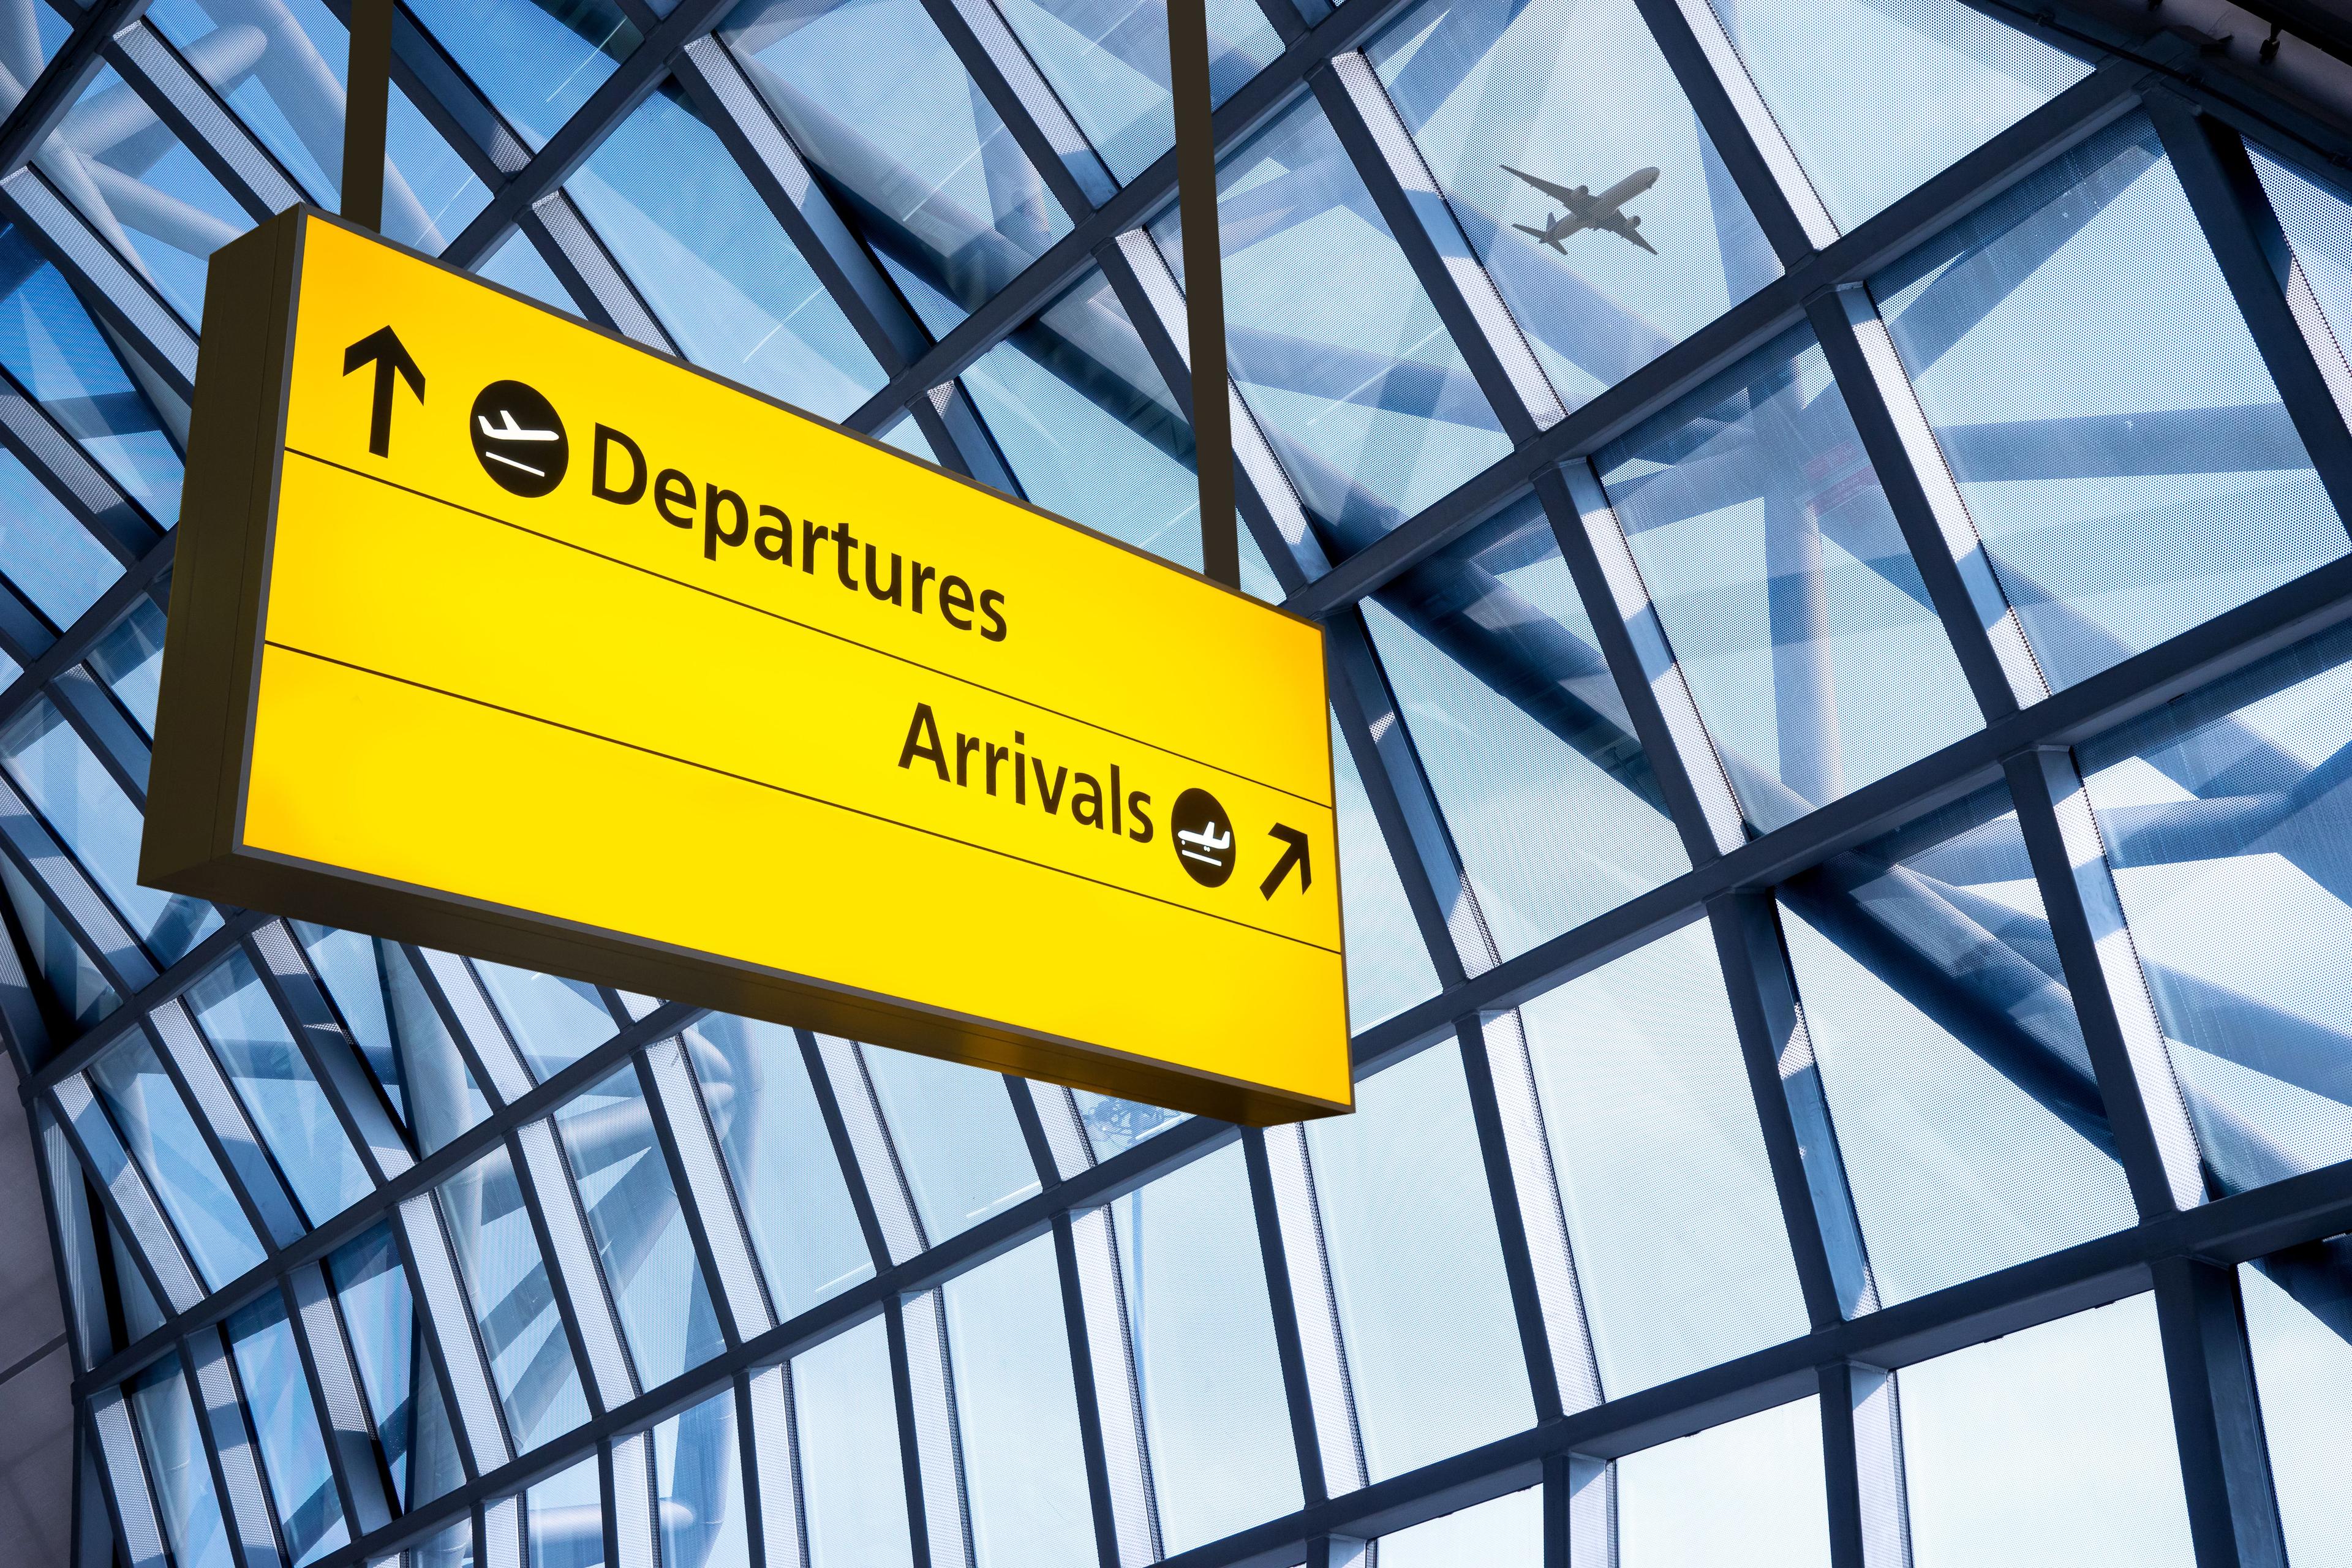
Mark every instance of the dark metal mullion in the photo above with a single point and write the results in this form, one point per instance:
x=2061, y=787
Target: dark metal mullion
x=997, y=89
x=1284, y=18
x=453, y=1024
x=697, y=1228
x=590, y=274
x=217, y=137
x=26, y=633
x=74, y=644
x=90, y=711
x=451, y=103
x=150, y=1275
x=1082, y=1375
x=165, y=339
x=844, y=1153
x=352, y=1089
x=90, y=493
x=1510, y=1225
x=339, y=1458
x=534, y=1203
x=2225, y=1469
x=126, y=986
x=274, y=1545
x=951, y=423
x=423, y=1325
x=50, y=96
x=266, y=1210
x=911, y=1458
x=1841, y=1466
x=84, y=1047
x=1720, y=119
x=1297, y=1392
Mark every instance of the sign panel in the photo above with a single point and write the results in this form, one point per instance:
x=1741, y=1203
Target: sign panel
x=493, y=631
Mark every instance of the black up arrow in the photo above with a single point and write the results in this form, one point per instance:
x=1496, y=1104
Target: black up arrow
x=1294, y=855
x=383, y=347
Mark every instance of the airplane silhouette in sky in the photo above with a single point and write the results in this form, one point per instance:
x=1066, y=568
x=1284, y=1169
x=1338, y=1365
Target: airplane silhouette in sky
x=1586, y=210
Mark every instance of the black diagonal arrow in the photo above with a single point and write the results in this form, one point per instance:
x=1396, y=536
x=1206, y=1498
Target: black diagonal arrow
x=390, y=356
x=1294, y=855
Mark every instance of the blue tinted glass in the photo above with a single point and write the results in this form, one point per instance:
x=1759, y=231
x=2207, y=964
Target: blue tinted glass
x=83, y=806
x=1779, y=573
x=274, y=1080
x=2317, y=223
x=74, y=982
x=518, y=264
x=1668, y=1198
x=657, y=1288
x=538, y=62
x=1504, y=1533
x=1388, y=968
x=958, y=1143
x=2118, y=443
x=185, y=1497
x=852, y=1487
x=876, y=99
x=1116, y=1124
x=1512, y=711
x=1576, y=96
x=1946, y=1044
x=2300, y=1330
x=143, y=189
x=1337, y=350
x=2227, y=829
x=130, y=659
x=52, y=560
x=50, y=344
x=163, y=1137
x=394, y=1372
x=554, y=1022
x=1751, y=1491
x=1433, y=1347
x=794, y=1201
x=514, y=1306
x=1024, y=1474
x=293, y=1448
x=564, y=1517
x=398, y=1031
x=697, y=1496
x=695, y=237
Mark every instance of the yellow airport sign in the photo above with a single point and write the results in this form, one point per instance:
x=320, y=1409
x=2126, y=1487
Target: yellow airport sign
x=493, y=631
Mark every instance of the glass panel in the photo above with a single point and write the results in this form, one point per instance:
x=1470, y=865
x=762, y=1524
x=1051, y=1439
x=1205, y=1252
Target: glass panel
x=554, y=1022
x=49, y=343
x=1432, y=1346
x=1574, y=93
x=1113, y=1125
x=398, y=1030
x=1389, y=967
x=1207, y=1376
x=565, y=1519
x=143, y=189
x=1337, y=350
x=958, y=1143
x=130, y=659
x=755, y=1084
x=163, y=1137
x=697, y=1494
x=2050, y=1448
x=74, y=984
x=1782, y=579
x=1750, y=1491
x=517, y=265
x=1500, y=680
x=852, y=1484
x=175, y=1464
x=1107, y=60
x=2298, y=1307
x=293, y=1448
x=274, y=1080
x=1504, y=1533
x=2226, y=823
x=51, y=559
x=395, y=1368
x=83, y=806
x=538, y=60
x=697, y=240
x=1909, y=87
x=2110, y=423
x=1024, y=1476
x=138, y=1308
x=656, y=1285
x=880, y=105
x=2317, y=223
x=514, y=1305
x=291, y=98
x=35, y=35
x=1670, y=1213
x=1968, y=1116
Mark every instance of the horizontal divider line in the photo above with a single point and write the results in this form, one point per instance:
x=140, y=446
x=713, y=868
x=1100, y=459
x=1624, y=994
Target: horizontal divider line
x=798, y=794
x=805, y=626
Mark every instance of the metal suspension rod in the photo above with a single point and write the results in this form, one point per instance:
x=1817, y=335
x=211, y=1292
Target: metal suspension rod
x=1205, y=286
x=367, y=99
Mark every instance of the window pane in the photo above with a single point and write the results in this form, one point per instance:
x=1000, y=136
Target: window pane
x=1113, y=1125
x=698, y=1495
x=163, y=1137
x=293, y=1448
x=1206, y=1372
x=517, y=265
x=51, y=559
x=1782, y=579
x=1024, y=1474
x=565, y=1519
x=538, y=62
x=74, y=982
x=274, y=1080
x=1433, y=1345
x=1388, y=968
x=1574, y=92
x=852, y=1487
x=130, y=659
x=395, y=1371
x=957, y=1139
x=2110, y=423
x=2297, y=1320
x=399, y=1031
x=656, y=1282
x=554, y=1022
x=1750, y=1491
x=794, y=1203
x=1504, y=1533
x=175, y=1464
x=514, y=1305
x=2050, y=1448
x=1677, y=1235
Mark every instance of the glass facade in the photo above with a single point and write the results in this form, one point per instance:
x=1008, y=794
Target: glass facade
x=1839, y=704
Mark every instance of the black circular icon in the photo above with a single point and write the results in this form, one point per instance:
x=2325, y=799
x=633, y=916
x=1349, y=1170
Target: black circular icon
x=1204, y=837
x=519, y=438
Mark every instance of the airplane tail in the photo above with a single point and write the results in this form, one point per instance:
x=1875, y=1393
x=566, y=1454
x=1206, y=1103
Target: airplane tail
x=1529, y=229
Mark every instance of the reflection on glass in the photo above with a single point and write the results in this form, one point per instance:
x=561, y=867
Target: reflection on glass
x=788, y=1184
x=184, y=1499
x=2111, y=426
x=2298, y=1306
x=554, y=1022
x=697, y=1496
x=1206, y=1373
x=285, y=1422
x=537, y=61
x=1504, y=1533
x=852, y=1487
x=398, y=1031
x=156, y=1127
x=514, y=1305
x=1433, y=1347
x=2226, y=821
x=1116, y=1124
x=1388, y=968
x=1968, y=1116
x=1671, y=1215
x=1500, y=680
x=74, y=982
x=130, y=659
x=273, y=1079
x=2051, y=1446
x=1017, y=1410
x=1337, y=350
x=656, y=1285
x=882, y=107
x=395, y=1371
x=1574, y=92
x=1750, y=1491
x=957, y=1139
x=1782, y=579
x=51, y=558
x=564, y=1519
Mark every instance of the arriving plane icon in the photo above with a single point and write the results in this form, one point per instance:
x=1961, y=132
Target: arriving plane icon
x=1586, y=210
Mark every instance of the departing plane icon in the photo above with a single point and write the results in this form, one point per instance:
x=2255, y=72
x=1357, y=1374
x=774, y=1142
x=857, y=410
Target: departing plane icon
x=1586, y=210
x=507, y=430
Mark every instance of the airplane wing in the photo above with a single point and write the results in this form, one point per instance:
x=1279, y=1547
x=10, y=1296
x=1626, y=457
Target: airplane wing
x=1615, y=224
x=1564, y=194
